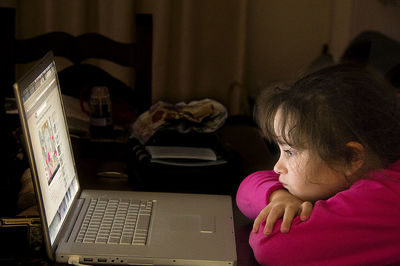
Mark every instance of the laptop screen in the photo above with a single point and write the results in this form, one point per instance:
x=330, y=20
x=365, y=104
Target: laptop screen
x=50, y=146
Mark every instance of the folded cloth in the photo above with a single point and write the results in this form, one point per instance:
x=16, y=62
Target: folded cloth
x=204, y=116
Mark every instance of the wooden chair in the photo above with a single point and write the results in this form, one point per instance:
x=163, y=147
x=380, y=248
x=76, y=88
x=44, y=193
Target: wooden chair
x=376, y=51
x=76, y=79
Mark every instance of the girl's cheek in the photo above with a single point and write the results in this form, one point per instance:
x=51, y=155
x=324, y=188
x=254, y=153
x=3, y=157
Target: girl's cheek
x=296, y=172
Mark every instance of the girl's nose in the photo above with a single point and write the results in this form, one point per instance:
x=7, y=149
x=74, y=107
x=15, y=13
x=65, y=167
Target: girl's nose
x=279, y=167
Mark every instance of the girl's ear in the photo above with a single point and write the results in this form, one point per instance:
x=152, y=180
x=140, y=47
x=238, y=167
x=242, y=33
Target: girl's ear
x=356, y=157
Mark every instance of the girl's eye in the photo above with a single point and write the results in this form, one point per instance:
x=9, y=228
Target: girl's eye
x=289, y=152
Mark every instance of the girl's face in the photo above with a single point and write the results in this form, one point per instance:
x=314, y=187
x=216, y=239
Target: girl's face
x=304, y=174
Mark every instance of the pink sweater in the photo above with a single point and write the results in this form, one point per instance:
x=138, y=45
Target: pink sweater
x=358, y=226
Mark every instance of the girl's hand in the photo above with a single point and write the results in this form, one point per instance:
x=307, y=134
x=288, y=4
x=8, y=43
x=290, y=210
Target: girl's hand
x=282, y=204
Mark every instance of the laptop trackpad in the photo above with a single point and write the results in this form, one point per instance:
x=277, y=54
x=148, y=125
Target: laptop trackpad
x=193, y=223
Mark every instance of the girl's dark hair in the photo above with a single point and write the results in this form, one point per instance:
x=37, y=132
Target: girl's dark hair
x=326, y=109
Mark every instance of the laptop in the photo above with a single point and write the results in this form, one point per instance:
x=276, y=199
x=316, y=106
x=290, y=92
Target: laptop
x=111, y=227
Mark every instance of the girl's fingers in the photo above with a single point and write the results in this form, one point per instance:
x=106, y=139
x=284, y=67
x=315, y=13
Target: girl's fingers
x=290, y=213
x=262, y=216
x=273, y=216
x=306, y=209
x=272, y=213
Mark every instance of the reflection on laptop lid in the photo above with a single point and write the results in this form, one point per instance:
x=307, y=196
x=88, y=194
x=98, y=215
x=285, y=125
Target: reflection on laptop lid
x=117, y=227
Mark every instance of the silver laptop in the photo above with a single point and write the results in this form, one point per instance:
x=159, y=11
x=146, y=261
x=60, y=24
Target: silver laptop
x=111, y=227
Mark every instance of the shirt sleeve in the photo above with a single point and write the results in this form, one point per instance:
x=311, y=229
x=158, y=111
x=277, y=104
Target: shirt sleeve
x=358, y=226
x=254, y=191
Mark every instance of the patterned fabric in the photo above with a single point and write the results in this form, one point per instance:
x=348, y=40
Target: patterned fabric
x=203, y=116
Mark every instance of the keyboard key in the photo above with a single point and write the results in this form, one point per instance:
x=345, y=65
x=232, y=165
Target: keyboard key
x=88, y=240
x=101, y=240
x=113, y=240
x=143, y=222
x=126, y=240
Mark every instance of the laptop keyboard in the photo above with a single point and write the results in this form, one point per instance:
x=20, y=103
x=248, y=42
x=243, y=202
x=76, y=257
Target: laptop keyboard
x=116, y=221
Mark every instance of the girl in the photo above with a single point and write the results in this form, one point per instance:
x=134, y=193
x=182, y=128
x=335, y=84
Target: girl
x=336, y=185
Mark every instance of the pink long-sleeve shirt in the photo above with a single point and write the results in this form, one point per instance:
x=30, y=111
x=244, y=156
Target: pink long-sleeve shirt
x=358, y=226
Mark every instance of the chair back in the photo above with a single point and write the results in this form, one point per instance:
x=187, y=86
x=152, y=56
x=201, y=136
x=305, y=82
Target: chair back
x=76, y=80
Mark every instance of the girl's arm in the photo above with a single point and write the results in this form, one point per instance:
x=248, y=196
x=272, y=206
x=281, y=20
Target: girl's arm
x=254, y=191
x=261, y=197
x=356, y=226
x=283, y=205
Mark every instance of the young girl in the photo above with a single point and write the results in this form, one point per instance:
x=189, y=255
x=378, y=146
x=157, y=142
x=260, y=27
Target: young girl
x=333, y=197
